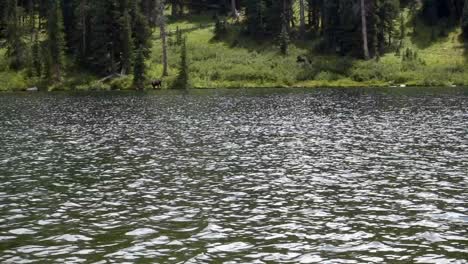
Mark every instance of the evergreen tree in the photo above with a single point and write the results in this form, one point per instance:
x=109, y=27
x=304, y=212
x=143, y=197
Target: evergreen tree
x=55, y=41
x=256, y=17
x=141, y=30
x=139, y=70
x=220, y=28
x=465, y=20
x=80, y=36
x=182, y=81
x=284, y=38
x=36, y=57
x=179, y=37
x=126, y=42
x=14, y=43
x=302, y=27
x=100, y=58
x=161, y=21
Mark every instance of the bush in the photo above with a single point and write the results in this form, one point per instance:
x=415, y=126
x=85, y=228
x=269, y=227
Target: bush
x=94, y=86
x=220, y=29
x=122, y=83
x=327, y=76
x=11, y=81
x=365, y=71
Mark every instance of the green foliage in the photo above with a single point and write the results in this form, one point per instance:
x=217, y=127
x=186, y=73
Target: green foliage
x=139, y=71
x=55, y=42
x=220, y=29
x=182, y=81
x=122, y=83
x=36, y=58
x=179, y=37
x=126, y=40
x=107, y=37
x=256, y=13
x=411, y=60
x=13, y=81
x=284, y=40
x=15, y=45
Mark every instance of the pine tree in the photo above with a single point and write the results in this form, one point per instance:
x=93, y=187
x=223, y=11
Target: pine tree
x=139, y=70
x=284, y=38
x=220, y=28
x=14, y=43
x=36, y=57
x=465, y=20
x=302, y=25
x=179, y=37
x=161, y=21
x=55, y=41
x=126, y=42
x=256, y=17
x=100, y=56
x=82, y=30
x=141, y=30
x=182, y=81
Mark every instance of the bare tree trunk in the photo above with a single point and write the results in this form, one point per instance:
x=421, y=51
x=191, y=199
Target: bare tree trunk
x=302, y=17
x=365, y=44
x=83, y=21
x=162, y=28
x=234, y=11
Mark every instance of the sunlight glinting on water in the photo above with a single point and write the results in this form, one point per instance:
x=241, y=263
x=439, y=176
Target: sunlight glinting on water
x=302, y=176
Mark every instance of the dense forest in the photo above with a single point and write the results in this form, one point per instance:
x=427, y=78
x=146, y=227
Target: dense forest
x=47, y=38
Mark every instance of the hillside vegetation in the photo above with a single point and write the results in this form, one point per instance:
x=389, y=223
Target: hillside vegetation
x=224, y=51
x=238, y=61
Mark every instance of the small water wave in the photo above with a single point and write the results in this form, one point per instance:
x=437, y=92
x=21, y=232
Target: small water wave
x=296, y=176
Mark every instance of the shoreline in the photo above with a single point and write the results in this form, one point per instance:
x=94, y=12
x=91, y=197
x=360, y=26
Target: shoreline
x=41, y=91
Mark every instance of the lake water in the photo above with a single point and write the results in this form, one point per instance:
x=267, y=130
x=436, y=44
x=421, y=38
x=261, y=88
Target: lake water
x=240, y=176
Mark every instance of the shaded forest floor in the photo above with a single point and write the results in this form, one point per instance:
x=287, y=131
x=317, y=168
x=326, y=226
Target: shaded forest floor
x=234, y=61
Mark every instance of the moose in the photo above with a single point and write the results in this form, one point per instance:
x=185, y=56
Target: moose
x=156, y=84
x=303, y=59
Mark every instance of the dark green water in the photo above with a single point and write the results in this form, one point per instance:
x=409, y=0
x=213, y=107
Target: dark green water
x=258, y=176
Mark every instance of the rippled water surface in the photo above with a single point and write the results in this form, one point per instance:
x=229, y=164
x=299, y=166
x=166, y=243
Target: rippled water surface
x=259, y=176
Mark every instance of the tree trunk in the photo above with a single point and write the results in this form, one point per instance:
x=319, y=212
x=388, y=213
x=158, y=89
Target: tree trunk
x=235, y=14
x=162, y=27
x=174, y=11
x=365, y=44
x=302, y=17
x=83, y=21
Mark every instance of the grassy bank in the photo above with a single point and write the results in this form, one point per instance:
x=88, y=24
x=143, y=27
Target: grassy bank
x=237, y=61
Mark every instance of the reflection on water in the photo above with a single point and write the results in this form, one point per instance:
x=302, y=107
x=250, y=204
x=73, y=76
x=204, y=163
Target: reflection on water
x=264, y=176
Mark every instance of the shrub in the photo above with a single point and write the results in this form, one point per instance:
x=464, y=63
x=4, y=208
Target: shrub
x=13, y=81
x=327, y=76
